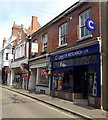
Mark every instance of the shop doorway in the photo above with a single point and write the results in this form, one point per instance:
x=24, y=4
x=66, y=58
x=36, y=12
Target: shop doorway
x=4, y=77
x=80, y=81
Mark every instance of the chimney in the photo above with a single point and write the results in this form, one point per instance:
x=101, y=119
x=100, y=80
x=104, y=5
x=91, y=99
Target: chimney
x=4, y=42
x=15, y=29
x=34, y=23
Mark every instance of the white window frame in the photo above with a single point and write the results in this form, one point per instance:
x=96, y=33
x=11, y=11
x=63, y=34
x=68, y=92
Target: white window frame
x=84, y=26
x=39, y=80
x=45, y=42
x=63, y=36
x=20, y=51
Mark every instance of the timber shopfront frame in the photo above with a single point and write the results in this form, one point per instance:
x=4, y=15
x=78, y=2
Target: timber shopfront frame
x=76, y=74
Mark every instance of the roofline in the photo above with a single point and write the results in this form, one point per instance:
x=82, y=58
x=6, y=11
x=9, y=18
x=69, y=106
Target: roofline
x=61, y=15
x=6, y=47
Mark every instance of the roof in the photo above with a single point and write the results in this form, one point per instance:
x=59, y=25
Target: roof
x=28, y=31
x=60, y=16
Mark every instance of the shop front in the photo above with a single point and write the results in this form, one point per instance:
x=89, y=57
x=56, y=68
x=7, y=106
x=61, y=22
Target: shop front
x=20, y=74
x=40, y=75
x=76, y=74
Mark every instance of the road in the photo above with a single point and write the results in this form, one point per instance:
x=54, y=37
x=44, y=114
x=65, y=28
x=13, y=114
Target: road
x=15, y=105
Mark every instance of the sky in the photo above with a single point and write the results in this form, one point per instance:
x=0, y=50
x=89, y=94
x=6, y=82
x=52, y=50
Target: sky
x=21, y=12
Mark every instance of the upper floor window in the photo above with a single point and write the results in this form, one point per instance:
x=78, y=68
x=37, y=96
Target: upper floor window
x=63, y=34
x=7, y=56
x=19, y=51
x=45, y=42
x=82, y=19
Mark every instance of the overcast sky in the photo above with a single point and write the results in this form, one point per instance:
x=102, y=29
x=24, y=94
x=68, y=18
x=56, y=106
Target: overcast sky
x=21, y=11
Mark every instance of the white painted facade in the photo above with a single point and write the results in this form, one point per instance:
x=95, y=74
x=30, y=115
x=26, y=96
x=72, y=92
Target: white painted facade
x=34, y=78
x=5, y=61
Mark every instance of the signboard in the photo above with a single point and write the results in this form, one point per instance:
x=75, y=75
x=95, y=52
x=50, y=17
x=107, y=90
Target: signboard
x=76, y=53
x=90, y=24
x=34, y=48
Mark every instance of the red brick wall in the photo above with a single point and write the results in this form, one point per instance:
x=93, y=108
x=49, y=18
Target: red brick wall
x=73, y=28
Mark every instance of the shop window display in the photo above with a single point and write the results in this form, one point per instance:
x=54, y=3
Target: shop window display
x=92, y=89
x=43, y=78
x=62, y=80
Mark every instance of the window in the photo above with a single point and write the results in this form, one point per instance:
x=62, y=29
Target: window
x=82, y=19
x=45, y=41
x=63, y=80
x=43, y=78
x=7, y=56
x=19, y=52
x=63, y=34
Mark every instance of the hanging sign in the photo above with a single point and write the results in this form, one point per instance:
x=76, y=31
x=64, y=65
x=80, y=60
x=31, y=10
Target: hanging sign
x=34, y=47
x=90, y=24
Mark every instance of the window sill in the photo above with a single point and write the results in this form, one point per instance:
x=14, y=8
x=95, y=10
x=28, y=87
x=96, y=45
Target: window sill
x=84, y=38
x=62, y=45
x=20, y=58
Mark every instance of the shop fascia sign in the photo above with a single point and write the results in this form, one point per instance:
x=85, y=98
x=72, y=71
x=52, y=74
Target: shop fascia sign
x=75, y=53
x=34, y=48
x=71, y=54
x=90, y=25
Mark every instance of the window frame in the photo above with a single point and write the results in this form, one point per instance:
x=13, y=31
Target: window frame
x=42, y=80
x=20, y=51
x=45, y=42
x=84, y=26
x=64, y=35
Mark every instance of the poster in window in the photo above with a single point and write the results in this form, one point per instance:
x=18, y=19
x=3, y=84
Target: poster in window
x=90, y=81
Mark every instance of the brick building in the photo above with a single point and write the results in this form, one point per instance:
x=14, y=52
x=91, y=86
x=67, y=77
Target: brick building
x=20, y=50
x=69, y=47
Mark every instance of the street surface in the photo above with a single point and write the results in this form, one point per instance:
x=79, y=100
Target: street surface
x=15, y=105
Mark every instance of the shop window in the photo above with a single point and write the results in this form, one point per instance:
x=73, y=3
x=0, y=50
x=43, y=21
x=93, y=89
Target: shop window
x=43, y=78
x=82, y=19
x=62, y=80
x=63, y=34
x=91, y=59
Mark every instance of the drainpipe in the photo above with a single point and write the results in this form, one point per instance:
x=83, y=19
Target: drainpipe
x=104, y=52
x=100, y=14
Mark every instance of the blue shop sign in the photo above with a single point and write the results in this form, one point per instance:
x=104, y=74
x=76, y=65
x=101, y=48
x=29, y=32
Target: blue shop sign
x=90, y=24
x=76, y=53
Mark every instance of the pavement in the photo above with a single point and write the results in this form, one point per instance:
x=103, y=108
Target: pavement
x=78, y=107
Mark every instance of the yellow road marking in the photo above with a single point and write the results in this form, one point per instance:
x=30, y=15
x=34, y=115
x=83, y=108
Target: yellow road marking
x=55, y=109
